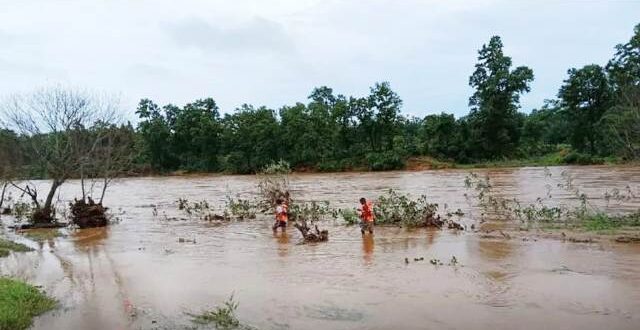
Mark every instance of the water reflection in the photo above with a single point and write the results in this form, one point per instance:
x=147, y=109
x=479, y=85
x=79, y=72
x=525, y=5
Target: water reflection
x=282, y=238
x=90, y=239
x=368, y=244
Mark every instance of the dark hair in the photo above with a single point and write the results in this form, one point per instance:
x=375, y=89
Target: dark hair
x=279, y=201
x=362, y=200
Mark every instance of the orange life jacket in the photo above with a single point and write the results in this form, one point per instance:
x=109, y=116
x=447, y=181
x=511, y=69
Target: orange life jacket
x=367, y=211
x=284, y=215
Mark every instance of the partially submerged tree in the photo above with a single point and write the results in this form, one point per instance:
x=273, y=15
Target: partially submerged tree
x=57, y=125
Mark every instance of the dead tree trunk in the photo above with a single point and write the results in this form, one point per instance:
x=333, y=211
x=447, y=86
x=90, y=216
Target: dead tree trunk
x=308, y=234
x=4, y=190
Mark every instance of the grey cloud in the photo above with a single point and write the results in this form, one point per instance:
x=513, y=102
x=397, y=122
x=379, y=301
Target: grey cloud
x=257, y=34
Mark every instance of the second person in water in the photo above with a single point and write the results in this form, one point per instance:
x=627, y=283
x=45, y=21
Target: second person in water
x=282, y=215
x=366, y=216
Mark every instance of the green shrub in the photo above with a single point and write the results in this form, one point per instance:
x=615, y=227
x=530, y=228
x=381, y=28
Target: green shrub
x=329, y=166
x=350, y=216
x=222, y=317
x=577, y=158
x=385, y=161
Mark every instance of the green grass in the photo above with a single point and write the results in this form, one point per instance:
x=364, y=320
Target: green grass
x=603, y=222
x=222, y=317
x=19, y=303
x=6, y=246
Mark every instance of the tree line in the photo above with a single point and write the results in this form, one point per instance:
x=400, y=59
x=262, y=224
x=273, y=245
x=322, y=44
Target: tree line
x=595, y=115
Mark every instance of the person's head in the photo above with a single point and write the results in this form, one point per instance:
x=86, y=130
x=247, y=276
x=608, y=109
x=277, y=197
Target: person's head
x=279, y=201
x=363, y=201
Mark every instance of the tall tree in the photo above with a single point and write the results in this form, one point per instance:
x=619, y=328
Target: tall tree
x=493, y=118
x=621, y=124
x=438, y=135
x=586, y=95
x=624, y=68
x=252, y=139
x=196, y=135
x=156, y=135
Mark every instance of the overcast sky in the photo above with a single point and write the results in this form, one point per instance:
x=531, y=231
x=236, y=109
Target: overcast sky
x=274, y=52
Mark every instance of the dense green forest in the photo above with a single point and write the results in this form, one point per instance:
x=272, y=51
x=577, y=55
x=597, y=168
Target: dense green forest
x=595, y=116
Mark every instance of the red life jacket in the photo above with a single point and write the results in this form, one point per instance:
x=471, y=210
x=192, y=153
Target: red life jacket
x=367, y=211
x=284, y=215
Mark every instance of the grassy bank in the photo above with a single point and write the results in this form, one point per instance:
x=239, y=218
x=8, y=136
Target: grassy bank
x=559, y=158
x=19, y=303
x=7, y=246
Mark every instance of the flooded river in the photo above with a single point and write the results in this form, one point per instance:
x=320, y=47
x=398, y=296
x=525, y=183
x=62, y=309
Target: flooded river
x=137, y=275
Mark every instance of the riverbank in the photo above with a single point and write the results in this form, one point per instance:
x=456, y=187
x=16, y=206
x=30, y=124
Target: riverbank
x=20, y=303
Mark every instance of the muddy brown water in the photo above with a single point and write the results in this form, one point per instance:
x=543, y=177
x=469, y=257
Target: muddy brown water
x=137, y=275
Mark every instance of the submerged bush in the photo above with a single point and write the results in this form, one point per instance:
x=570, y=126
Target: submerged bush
x=241, y=208
x=273, y=182
x=312, y=211
x=349, y=216
x=585, y=214
x=399, y=209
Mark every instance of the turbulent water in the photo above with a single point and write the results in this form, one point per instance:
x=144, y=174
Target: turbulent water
x=137, y=275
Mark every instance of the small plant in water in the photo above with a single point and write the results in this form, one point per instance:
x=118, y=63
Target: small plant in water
x=221, y=317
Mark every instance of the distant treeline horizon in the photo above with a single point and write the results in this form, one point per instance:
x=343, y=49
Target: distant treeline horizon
x=595, y=115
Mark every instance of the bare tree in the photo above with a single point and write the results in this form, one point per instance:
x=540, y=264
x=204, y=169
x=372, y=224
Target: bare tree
x=55, y=123
x=113, y=157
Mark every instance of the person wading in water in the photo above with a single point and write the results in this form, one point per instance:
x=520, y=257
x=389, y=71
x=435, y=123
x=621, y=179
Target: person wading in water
x=282, y=215
x=366, y=216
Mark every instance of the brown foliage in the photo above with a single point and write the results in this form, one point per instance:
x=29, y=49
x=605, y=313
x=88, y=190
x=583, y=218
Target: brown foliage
x=88, y=214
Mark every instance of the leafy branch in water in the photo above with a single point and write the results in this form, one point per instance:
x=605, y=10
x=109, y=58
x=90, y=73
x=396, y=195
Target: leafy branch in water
x=398, y=209
x=241, y=208
x=312, y=211
x=349, y=216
